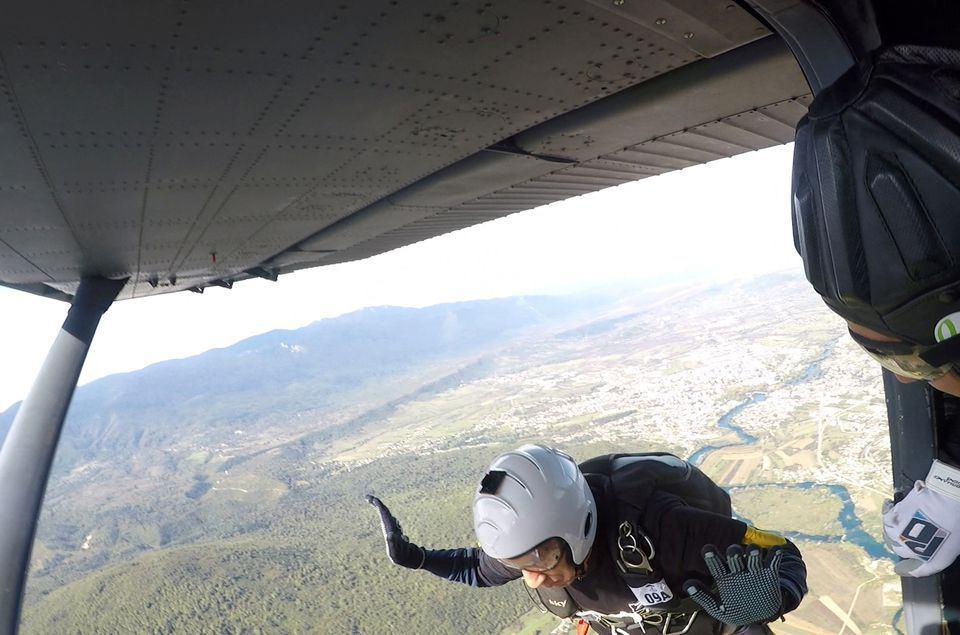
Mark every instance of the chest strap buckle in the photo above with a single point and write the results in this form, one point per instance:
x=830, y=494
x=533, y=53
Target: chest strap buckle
x=632, y=556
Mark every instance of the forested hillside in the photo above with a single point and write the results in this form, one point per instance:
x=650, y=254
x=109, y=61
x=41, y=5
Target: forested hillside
x=237, y=512
x=311, y=562
x=198, y=491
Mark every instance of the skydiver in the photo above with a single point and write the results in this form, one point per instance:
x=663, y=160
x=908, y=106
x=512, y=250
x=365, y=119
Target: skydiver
x=876, y=220
x=624, y=557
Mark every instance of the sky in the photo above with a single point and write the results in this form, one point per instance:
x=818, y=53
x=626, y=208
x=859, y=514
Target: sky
x=725, y=219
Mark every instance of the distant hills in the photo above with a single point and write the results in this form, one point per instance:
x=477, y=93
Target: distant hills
x=225, y=492
x=320, y=367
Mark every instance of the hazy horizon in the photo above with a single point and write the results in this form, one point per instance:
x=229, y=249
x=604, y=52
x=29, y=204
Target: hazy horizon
x=722, y=220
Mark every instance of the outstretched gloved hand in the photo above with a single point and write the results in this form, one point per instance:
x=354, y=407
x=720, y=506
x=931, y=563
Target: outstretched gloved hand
x=924, y=528
x=747, y=593
x=399, y=548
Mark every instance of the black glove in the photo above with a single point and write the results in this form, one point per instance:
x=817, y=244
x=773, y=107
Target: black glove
x=400, y=550
x=747, y=595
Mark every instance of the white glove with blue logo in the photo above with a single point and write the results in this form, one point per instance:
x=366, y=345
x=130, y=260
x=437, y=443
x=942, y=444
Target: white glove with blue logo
x=924, y=528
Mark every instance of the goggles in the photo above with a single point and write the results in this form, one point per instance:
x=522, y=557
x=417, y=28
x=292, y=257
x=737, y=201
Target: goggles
x=545, y=556
x=904, y=359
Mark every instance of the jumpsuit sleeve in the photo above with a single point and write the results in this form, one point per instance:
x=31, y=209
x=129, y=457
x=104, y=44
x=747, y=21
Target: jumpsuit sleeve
x=793, y=577
x=470, y=566
x=685, y=530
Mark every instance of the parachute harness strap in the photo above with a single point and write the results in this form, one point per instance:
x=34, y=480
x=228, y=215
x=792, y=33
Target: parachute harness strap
x=665, y=623
x=632, y=556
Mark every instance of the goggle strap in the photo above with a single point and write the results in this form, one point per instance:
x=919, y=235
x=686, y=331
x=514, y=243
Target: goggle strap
x=882, y=348
x=946, y=352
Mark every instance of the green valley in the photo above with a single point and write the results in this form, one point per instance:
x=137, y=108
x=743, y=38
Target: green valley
x=257, y=524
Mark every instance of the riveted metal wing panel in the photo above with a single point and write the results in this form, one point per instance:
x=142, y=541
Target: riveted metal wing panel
x=185, y=146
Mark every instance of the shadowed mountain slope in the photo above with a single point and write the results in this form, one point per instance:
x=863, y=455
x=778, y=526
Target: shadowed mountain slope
x=315, y=368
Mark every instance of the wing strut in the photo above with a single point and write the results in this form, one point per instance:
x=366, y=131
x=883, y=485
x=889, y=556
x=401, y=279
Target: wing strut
x=29, y=448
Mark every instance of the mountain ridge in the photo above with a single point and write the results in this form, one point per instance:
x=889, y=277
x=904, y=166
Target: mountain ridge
x=318, y=367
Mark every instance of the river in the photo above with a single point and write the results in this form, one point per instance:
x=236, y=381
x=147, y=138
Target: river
x=853, y=532
x=810, y=372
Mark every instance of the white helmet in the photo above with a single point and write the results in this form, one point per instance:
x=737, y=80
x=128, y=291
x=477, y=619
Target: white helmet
x=529, y=496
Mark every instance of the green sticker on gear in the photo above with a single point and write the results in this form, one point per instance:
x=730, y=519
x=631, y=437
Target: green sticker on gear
x=947, y=327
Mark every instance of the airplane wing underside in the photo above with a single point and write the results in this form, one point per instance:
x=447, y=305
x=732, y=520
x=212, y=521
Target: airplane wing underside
x=188, y=145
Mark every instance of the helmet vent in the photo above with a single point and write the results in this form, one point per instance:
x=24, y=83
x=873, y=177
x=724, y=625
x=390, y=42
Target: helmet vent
x=492, y=481
x=588, y=523
x=806, y=236
x=905, y=218
x=532, y=462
